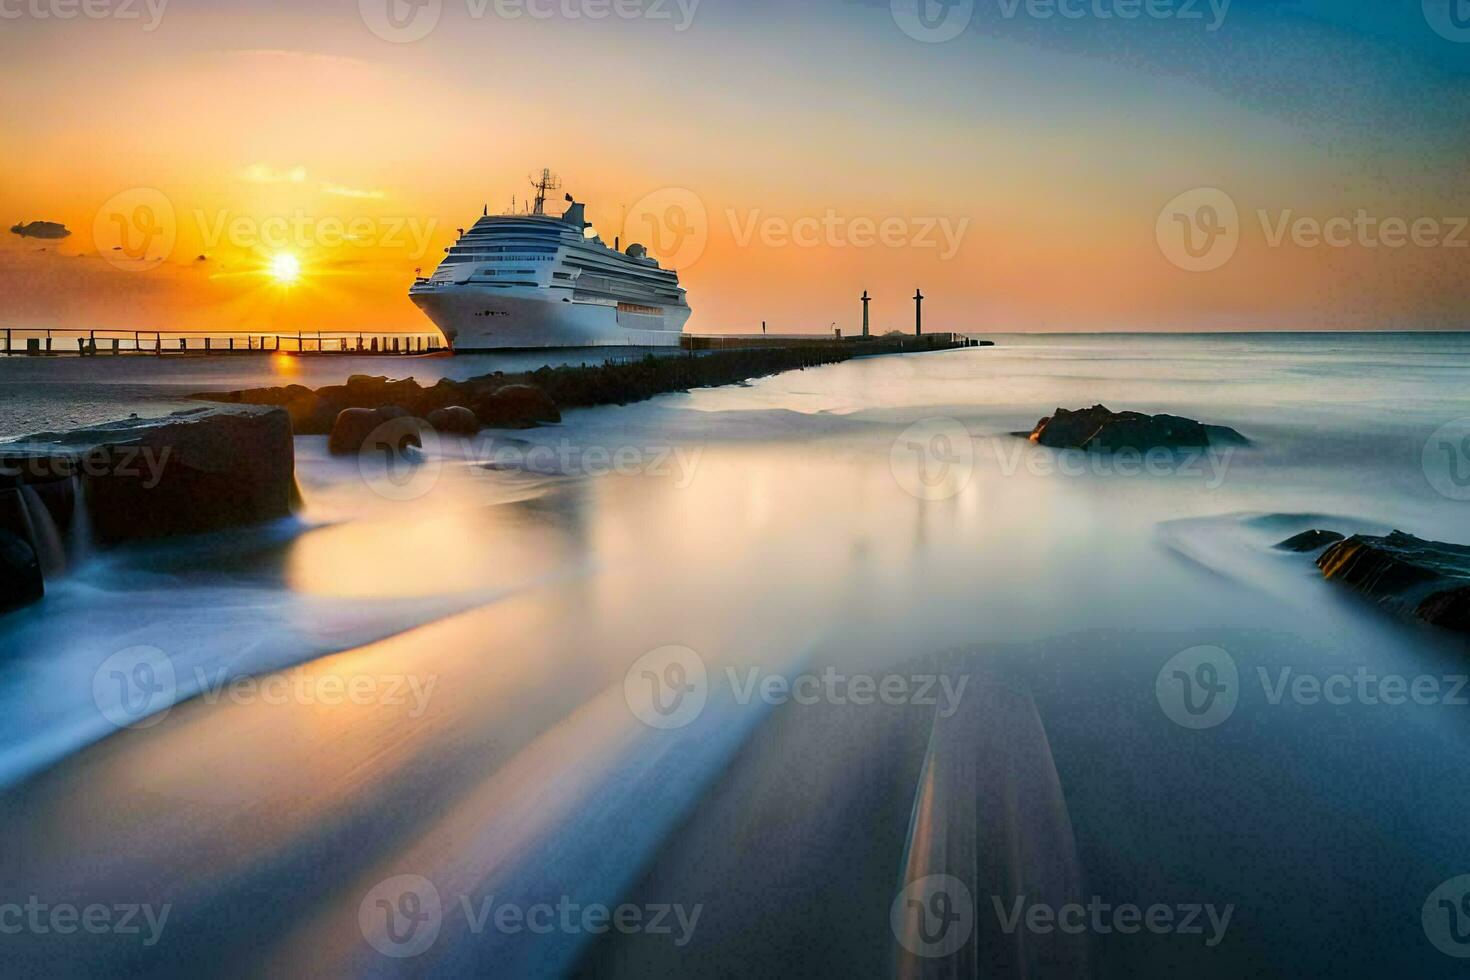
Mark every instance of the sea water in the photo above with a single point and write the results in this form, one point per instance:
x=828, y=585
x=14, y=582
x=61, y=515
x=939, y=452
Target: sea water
x=346, y=743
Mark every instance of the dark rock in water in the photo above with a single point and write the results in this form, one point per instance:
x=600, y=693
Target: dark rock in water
x=517, y=407
x=355, y=427
x=1099, y=429
x=20, y=573
x=1450, y=610
x=191, y=472
x=1427, y=580
x=455, y=420
x=351, y=430
x=1310, y=541
x=490, y=399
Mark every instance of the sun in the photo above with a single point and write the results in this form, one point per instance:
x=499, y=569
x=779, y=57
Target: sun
x=285, y=268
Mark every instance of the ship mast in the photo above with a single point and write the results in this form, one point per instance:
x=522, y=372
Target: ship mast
x=546, y=182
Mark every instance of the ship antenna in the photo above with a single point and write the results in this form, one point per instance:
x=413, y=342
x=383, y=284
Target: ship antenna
x=546, y=182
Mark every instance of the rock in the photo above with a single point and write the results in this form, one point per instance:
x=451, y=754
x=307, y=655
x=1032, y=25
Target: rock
x=1099, y=429
x=1450, y=610
x=1310, y=541
x=455, y=420
x=196, y=471
x=354, y=427
x=1426, y=580
x=351, y=430
x=517, y=407
x=20, y=573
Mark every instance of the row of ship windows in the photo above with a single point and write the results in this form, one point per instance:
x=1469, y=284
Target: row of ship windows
x=502, y=249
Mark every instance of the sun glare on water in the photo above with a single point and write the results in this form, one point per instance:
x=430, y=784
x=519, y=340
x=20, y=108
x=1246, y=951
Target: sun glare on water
x=285, y=268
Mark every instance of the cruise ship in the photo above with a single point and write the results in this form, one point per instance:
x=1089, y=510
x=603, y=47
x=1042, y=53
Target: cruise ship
x=532, y=280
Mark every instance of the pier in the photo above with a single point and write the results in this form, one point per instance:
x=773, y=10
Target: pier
x=156, y=343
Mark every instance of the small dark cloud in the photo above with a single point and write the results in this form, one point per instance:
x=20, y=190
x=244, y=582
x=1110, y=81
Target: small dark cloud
x=52, y=230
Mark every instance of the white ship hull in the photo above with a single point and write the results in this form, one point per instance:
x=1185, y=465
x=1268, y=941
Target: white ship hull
x=533, y=281
x=522, y=318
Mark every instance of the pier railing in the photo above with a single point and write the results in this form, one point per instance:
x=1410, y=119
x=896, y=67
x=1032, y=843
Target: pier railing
x=157, y=343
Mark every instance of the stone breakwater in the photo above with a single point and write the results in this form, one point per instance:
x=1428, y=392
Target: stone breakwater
x=513, y=401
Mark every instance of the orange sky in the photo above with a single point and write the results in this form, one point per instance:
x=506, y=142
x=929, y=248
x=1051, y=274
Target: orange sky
x=1020, y=185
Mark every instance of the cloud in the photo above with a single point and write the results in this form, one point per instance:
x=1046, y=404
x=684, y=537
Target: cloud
x=337, y=190
x=260, y=173
x=50, y=230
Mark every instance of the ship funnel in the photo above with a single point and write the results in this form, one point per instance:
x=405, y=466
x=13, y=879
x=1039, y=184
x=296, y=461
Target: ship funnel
x=576, y=216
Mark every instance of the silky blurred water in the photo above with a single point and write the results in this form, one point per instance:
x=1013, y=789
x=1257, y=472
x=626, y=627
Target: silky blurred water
x=491, y=601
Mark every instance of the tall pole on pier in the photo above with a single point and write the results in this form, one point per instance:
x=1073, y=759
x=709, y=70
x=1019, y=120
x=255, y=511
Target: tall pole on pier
x=866, y=300
x=918, y=313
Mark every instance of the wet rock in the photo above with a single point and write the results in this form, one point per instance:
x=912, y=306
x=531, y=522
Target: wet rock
x=202, y=470
x=1099, y=429
x=1426, y=580
x=20, y=573
x=517, y=407
x=356, y=427
x=455, y=420
x=351, y=430
x=1310, y=541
